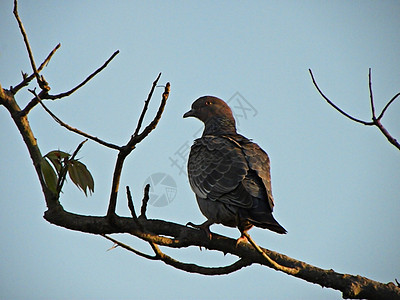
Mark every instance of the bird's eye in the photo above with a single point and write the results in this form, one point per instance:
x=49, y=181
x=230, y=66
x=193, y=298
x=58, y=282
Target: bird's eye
x=208, y=103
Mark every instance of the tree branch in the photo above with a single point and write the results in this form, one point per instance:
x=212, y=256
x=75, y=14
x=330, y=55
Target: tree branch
x=375, y=121
x=127, y=149
x=387, y=105
x=27, y=79
x=146, y=104
x=371, y=95
x=129, y=248
x=145, y=201
x=177, y=236
x=65, y=94
x=73, y=129
x=334, y=105
x=27, y=45
x=193, y=268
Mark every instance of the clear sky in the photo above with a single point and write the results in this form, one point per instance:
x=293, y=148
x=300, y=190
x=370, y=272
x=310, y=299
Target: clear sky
x=336, y=183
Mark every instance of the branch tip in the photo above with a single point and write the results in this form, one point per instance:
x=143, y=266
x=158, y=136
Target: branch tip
x=145, y=201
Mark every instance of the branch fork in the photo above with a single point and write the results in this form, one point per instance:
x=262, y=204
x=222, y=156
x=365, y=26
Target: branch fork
x=376, y=121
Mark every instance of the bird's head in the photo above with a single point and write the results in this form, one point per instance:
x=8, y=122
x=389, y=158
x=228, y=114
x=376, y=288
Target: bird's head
x=215, y=113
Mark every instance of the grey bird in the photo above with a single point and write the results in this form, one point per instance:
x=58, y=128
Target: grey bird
x=229, y=174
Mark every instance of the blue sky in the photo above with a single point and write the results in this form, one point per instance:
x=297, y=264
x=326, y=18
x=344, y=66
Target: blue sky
x=335, y=183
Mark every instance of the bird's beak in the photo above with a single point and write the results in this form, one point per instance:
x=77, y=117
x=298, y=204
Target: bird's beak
x=190, y=113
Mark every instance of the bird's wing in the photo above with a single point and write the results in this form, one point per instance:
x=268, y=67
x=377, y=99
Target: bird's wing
x=258, y=161
x=216, y=168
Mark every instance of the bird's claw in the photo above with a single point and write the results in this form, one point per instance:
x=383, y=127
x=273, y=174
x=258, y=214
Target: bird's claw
x=203, y=227
x=242, y=239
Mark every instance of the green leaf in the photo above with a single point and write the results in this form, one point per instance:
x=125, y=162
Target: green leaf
x=80, y=176
x=50, y=176
x=56, y=157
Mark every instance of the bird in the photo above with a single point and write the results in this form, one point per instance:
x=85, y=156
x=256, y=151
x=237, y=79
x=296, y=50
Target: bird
x=229, y=174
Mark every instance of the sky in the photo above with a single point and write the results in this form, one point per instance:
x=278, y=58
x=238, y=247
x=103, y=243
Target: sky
x=335, y=183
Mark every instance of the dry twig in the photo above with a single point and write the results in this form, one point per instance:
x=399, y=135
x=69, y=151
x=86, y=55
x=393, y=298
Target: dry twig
x=127, y=149
x=73, y=129
x=375, y=121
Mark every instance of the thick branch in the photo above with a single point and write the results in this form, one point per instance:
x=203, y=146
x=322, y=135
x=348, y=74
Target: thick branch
x=22, y=123
x=175, y=235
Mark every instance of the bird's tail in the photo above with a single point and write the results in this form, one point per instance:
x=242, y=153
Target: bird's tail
x=263, y=219
x=274, y=226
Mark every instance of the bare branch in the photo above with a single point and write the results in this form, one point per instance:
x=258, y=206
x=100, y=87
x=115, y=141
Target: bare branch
x=387, y=105
x=193, y=268
x=127, y=149
x=132, y=208
x=388, y=136
x=371, y=96
x=335, y=106
x=145, y=201
x=375, y=121
x=27, y=45
x=156, y=231
x=65, y=94
x=149, y=128
x=146, y=104
x=137, y=252
x=27, y=79
x=73, y=129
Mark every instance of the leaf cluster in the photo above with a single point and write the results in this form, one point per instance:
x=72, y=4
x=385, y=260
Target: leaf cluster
x=57, y=164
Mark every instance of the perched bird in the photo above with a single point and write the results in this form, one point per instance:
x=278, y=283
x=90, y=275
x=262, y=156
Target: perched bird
x=229, y=174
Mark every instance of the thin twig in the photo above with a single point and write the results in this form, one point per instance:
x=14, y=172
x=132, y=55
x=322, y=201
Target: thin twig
x=64, y=170
x=193, y=268
x=65, y=94
x=146, y=104
x=371, y=95
x=137, y=252
x=73, y=129
x=335, y=106
x=27, y=79
x=127, y=149
x=149, y=128
x=26, y=41
x=75, y=153
x=375, y=121
x=274, y=264
x=387, y=105
x=132, y=207
x=145, y=201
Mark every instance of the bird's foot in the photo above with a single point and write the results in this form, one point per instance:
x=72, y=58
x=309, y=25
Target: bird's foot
x=242, y=239
x=205, y=227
